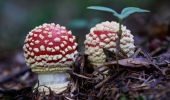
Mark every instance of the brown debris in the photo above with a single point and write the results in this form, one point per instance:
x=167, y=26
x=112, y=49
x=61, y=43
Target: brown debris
x=141, y=76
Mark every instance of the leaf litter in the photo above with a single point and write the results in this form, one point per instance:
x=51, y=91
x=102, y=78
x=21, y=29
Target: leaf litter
x=139, y=77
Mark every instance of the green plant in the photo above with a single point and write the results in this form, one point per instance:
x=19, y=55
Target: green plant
x=121, y=16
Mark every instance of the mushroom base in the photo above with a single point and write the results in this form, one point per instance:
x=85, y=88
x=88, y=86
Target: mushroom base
x=57, y=82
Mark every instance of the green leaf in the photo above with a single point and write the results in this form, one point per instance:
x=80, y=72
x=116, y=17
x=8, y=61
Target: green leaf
x=131, y=10
x=100, y=8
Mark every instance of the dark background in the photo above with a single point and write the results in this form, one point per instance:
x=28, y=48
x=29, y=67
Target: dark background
x=18, y=17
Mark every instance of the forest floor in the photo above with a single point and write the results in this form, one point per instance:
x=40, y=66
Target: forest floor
x=144, y=76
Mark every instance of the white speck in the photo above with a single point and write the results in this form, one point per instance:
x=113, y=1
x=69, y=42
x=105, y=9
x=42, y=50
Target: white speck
x=75, y=44
x=36, y=49
x=52, y=24
x=45, y=32
x=41, y=36
x=74, y=47
x=30, y=39
x=42, y=48
x=94, y=42
x=110, y=34
x=65, y=37
x=64, y=42
x=63, y=31
x=94, y=36
x=50, y=43
x=92, y=30
x=71, y=40
x=62, y=45
x=112, y=43
x=28, y=53
x=49, y=57
x=69, y=32
x=74, y=37
x=57, y=39
x=62, y=27
x=63, y=59
x=47, y=28
x=24, y=47
x=39, y=30
x=50, y=35
x=53, y=50
x=57, y=25
x=102, y=44
x=87, y=36
x=44, y=25
x=107, y=46
x=32, y=53
x=59, y=56
x=55, y=57
x=38, y=58
x=27, y=45
x=37, y=41
x=46, y=41
x=57, y=47
x=66, y=50
x=30, y=48
x=62, y=52
x=31, y=43
x=107, y=40
x=99, y=27
x=49, y=49
x=90, y=39
x=40, y=26
x=26, y=40
x=35, y=35
x=25, y=55
x=30, y=33
x=102, y=36
x=69, y=48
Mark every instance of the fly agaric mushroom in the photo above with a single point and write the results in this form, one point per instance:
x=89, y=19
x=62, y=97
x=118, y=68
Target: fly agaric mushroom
x=49, y=49
x=104, y=35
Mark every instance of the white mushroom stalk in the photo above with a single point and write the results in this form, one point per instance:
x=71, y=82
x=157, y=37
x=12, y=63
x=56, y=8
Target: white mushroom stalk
x=58, y=82
x=49, y=50
x=104, y=35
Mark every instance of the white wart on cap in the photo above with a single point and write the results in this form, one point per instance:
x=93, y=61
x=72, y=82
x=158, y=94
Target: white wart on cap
x=104, y=35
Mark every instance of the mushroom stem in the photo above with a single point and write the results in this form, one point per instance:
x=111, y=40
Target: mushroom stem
x=57, y=82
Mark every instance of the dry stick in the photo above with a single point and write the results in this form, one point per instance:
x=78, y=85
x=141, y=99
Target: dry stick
x=118, y=42
x=157, y=50
x=79, y=75
x=150, y=60
x=107, y=79
x=67, y=98
x=104, y=81
x=100, y=92
x=145, y=81
x=137, y=52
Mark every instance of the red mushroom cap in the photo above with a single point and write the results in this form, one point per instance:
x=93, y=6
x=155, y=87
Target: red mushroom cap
x=104, y=35
x=49, y=47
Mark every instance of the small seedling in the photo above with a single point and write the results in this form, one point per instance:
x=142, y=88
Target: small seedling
x=121, y=17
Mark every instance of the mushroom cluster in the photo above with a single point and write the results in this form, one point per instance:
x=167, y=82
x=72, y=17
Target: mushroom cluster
x=49, y=49
x=104, y=35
